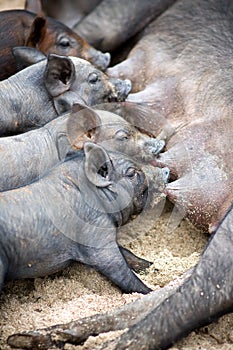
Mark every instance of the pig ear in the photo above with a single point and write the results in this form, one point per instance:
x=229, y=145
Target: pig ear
x=98, y=165
x=37, y=32
x=26, y=56
x=59, y=74
x=82, y=126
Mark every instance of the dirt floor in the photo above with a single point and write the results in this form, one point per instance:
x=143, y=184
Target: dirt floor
x=79, y=291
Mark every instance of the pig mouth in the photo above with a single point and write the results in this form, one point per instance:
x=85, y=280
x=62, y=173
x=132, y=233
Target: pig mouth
x=140, y=203
x=112, y=98
x=171, y=193
x=144, y=198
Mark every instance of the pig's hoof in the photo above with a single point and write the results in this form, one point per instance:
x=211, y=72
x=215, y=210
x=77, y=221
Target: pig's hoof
x=31, y=340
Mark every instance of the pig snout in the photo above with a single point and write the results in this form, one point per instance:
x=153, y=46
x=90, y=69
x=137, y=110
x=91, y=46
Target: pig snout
x=154, y=146
x=122, y=88
x=161, y=177
x=100, y=59
x=165, y=174
x=158, y=178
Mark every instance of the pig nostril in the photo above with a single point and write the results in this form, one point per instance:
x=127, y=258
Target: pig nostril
x=162, y=144
x=128, y=85
x=107, y=58
x=166, y=172
x=123, y=88
x=159, y=145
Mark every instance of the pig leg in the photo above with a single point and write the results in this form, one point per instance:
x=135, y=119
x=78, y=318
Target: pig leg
x=135, y=263
x=79, y=330
x=205, y=296
x=111, y=263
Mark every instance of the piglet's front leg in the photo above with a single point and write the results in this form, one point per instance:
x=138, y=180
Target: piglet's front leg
x=110, y=262
x=134, y=262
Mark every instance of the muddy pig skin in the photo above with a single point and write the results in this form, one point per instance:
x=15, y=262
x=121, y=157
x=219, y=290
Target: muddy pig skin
x=27, y=156
x=39, y=93
x=72, y=213
x=23, y=28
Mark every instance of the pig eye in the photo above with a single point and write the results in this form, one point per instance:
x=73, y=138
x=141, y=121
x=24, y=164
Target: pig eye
x=131, y=172
x=122, y=135
x=93, y=78
x=64, y=42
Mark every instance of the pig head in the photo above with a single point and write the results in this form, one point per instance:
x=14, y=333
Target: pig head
x=23, y=28
x=41, y=92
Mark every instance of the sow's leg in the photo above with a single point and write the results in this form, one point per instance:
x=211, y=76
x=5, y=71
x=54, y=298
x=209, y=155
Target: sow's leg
x=205, y=296
x=77, y=331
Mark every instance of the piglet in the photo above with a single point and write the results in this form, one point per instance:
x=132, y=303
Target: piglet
x=73, y=212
